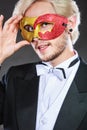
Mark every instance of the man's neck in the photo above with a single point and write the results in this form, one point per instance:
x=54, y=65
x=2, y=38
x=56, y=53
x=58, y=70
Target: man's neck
x=63, y=57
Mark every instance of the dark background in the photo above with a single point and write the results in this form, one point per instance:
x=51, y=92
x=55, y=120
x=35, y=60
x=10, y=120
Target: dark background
x=26, y=54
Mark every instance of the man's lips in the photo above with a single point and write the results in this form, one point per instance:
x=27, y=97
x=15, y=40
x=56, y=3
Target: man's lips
x=43, y=47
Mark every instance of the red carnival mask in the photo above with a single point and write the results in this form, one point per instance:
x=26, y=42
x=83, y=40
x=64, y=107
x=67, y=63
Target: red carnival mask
x=44, y=27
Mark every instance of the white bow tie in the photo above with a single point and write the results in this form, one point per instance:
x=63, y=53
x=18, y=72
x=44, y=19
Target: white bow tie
x=43, y=69
x=59, y=72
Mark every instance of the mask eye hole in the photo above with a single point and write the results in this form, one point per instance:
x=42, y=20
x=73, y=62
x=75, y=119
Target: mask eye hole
x=29, y=28
x=46, y=26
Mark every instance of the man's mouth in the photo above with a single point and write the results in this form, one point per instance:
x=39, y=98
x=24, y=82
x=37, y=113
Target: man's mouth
x=43, y=47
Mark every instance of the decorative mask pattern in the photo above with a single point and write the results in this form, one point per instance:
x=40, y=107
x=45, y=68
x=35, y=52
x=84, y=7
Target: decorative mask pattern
x=44, y=27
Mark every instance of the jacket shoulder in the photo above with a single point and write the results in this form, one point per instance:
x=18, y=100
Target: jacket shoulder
x=21, y=70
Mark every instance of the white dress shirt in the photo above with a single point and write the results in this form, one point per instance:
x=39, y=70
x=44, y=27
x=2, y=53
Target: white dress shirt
x=52, y=92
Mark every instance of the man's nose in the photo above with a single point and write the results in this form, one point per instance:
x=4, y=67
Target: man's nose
x=35, y=39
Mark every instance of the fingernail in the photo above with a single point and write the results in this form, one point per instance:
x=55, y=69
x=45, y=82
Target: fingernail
x=1, y=16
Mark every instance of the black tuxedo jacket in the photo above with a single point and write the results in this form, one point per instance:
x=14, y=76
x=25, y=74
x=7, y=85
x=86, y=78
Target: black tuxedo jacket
x=18, y=100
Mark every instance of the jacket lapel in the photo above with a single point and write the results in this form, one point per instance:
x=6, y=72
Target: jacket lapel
x=26, y=101
x=74, y=107
x=72, y=111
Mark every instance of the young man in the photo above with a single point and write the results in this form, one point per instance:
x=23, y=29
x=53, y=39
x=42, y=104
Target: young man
x=52, y=94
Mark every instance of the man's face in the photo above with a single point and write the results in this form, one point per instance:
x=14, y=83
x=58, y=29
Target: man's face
x=47, y=44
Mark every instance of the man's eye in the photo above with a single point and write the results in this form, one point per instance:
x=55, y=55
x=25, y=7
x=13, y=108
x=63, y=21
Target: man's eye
x=44, y=24
x=29, y=28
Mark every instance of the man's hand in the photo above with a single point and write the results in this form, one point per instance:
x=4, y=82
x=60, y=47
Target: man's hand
x=8, y=35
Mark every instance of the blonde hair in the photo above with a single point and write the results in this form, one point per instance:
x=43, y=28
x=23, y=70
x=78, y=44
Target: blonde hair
x=66, y=8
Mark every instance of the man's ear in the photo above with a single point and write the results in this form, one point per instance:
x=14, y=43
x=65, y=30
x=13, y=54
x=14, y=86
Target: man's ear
x=71, y=22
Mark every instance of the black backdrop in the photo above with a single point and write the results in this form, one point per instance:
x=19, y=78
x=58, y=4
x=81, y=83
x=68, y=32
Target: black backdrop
x=26, y=54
